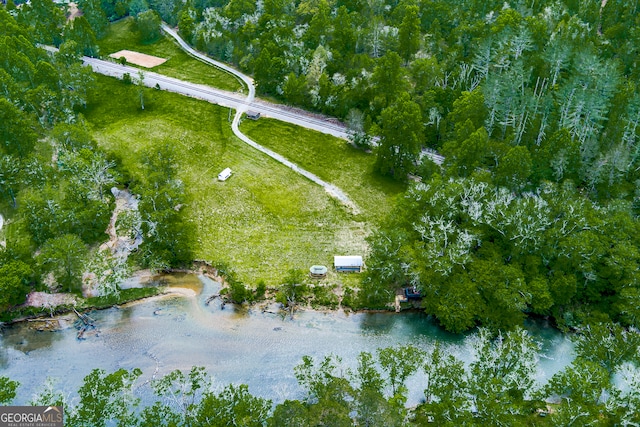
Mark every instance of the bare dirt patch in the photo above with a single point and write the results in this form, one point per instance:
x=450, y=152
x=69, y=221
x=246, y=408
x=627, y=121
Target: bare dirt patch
x=44, y=299
x=122, y=246
x=137, y=58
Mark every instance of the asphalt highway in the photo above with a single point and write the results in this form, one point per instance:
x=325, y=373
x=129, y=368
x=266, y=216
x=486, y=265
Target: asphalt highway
x=237, y=101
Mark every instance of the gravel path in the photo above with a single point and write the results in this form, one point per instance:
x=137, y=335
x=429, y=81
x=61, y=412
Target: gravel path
x=248, y=81
x=329, y=188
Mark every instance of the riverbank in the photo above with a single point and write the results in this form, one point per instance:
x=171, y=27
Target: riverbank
x=167, y=332
x=144, y=284
x=26, y=313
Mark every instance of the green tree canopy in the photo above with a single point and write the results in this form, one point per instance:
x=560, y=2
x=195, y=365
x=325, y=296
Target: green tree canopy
x=15, y=277
x=149, y=26
x=481, y=254
x=65, y=258
x=401, y=138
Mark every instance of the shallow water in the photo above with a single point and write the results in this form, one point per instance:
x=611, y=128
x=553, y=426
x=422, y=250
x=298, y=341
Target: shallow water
x=236, y=346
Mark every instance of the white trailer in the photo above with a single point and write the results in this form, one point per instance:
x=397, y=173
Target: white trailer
x=224, y=175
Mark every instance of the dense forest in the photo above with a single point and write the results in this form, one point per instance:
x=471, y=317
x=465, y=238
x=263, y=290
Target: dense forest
x=499, y=387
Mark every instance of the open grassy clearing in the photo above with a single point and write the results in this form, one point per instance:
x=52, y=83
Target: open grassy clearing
x=332, y=159
x=264, y=220
x=124, y=35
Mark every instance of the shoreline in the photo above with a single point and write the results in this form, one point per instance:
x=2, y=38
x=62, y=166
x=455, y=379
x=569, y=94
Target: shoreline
x=143, y=276
x=163, y=288
x=63, y=317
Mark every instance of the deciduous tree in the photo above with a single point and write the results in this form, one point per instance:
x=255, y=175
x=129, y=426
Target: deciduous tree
x=409, y=33
x=65, y=258
x=15, y=277
x=401, y=138
x=149, y=26
x=7, y=390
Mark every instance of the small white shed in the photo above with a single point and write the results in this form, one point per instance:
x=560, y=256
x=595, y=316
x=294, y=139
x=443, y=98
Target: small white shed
x=224, y=175
x=348, y=264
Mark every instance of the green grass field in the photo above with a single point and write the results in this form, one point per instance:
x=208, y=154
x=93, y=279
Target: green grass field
x=123, y=35
x=265, y=219
x=332, y=159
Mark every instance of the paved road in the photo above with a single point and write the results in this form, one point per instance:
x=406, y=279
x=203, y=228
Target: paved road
x=241, y=104
x=299, y=117
x=221, y=97
x=247, y=80
x=233, y=100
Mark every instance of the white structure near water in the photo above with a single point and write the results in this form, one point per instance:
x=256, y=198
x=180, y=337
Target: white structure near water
x=224, y=175
x=348, y=264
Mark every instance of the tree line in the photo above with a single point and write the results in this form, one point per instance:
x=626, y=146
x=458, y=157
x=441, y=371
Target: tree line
x=54, y=179
x=483, y=254
x=534, y=210
x=498, y=386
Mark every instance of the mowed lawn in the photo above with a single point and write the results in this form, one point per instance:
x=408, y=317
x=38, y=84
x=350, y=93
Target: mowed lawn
x=265, y=219
x=332, y=159
x=124, y=35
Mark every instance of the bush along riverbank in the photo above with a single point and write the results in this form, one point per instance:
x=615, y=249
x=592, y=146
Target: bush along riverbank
x=296, y=290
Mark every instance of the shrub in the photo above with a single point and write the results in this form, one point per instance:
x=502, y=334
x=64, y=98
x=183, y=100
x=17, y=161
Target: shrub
x=350, y=299
x=324, y=296
x=261, y=290
x=238, y=292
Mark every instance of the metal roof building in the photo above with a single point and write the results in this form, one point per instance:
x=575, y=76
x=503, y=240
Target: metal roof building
x=348, y=264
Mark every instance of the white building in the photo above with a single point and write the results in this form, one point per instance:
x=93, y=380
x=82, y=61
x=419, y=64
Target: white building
x=348, y=264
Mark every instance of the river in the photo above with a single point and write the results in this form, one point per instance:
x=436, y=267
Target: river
x=235, y=346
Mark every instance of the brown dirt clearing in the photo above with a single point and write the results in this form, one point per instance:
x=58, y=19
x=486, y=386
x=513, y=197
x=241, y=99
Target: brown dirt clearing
x=44, y=299
x=137, y=58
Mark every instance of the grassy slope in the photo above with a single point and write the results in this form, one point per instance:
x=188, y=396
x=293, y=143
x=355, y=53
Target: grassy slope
x=265, y=219
x=332, y=159
x=123, y=35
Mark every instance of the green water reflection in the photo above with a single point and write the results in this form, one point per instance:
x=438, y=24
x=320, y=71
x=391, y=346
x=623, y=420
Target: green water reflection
x=239, y=346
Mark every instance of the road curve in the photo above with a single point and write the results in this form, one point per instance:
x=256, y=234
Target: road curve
x=240, y=104
x=248, y=81
x=269, y=110
x=279, y=112
x=329, y=188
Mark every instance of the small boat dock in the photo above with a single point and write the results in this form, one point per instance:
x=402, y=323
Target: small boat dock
x=405, y=295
